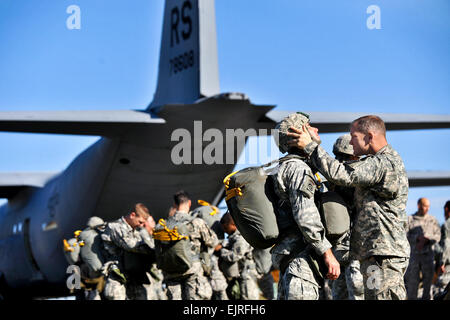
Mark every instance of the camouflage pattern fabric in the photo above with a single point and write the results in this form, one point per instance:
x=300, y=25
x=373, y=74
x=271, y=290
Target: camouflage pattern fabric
x=426, y=226
x=236, y=250
x=118, y=237
x=297, y=281
x=193, y=285
x=444, y=278
x=383, y=277
x=381, y=193
x=349, y=285
x=422, y=259
x=217, y=280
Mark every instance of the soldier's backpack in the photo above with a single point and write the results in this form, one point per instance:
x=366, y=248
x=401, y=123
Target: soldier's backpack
x=92, y=250
x=211, y=215
x=87, y=246
x=172, y=245
x=252, y=203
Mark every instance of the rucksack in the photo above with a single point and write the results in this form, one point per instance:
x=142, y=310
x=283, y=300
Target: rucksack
x=211, y=215
x=251, y=202
x=172, y=245
x=92, y=250
x=86, y=246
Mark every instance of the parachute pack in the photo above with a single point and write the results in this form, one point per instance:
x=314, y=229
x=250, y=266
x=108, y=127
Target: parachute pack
x=86, y=246
x=172, y=245
x=211, y=215
x=249, y=198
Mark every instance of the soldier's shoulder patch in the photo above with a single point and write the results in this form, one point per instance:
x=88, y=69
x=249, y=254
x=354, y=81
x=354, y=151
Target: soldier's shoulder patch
x=308, y=186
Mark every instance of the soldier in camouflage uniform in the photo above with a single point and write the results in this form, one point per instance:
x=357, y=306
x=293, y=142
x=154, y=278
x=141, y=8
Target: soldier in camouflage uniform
x=444, y=256
x=378, y=238
x=154, y=288
x=237, y=253
x=210, y=261
x=119, y=237
x=350, y=284
x=423, y=233
x=302, y=234
x=191, y=285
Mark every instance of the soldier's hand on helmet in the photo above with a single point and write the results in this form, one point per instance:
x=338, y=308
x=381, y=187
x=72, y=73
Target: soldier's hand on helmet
x=334, y=269
x=300, y=137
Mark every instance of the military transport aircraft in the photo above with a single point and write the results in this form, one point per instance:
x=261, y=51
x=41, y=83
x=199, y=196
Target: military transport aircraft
x=132, y=162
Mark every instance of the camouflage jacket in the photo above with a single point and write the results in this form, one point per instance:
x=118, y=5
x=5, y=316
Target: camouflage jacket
x=426, y=226
x=119, y=236
x=294, y=182
x=381, y=193
x=236, y=250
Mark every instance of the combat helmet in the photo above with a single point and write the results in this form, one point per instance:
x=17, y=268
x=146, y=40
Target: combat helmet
x=296, y=120
x=343, y=146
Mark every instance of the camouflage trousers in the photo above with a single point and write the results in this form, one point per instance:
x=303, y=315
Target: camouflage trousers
x=420, y=263
x=249, y=285
x=350, y=284
x=155, y=290
x=383, y=277
x=116, y=290
x=298, y=282
x=194, y=286
x=218, y=281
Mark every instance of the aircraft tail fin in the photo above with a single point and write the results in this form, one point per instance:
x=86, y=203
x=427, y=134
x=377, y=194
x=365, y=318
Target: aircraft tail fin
x=188, y=66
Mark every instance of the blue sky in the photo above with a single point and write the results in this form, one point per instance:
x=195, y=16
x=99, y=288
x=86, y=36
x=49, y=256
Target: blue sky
x=298, y=55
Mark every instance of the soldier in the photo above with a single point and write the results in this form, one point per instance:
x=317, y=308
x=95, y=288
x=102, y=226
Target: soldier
x=423, y=233
x=444, y=257
x=263, y=262
x=378, y=238
x=236, y=254
x=85, y=250
x=154, y=288
x=302, y=241
x=192, y=284
x=121, y=239
x=211, y=215
x=350, y=284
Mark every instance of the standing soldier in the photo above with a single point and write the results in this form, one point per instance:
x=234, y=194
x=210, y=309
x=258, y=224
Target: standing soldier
x=378, y=237
x=302, y=234
x=236, y=255
x=350, y=283
x=155, y=290
x=122, y=238
x=444, y=256
x=210, y=262
x=190, y=284
x=423, y=233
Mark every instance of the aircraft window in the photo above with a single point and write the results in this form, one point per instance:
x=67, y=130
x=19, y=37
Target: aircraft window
x=14, y=229
x=19, y=227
